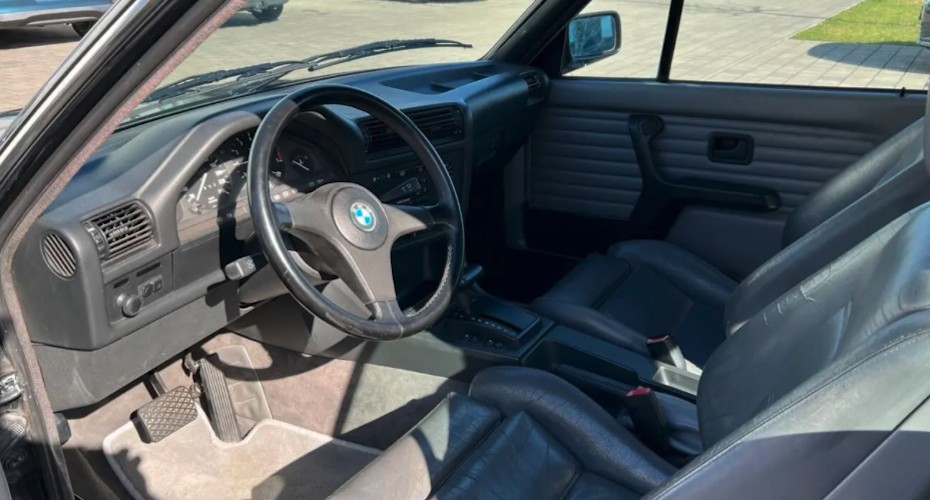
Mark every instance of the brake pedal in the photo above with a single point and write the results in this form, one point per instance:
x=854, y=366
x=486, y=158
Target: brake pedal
x=166, y=414
x=219, y=405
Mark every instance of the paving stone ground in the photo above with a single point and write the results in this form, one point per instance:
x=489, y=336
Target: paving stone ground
x=720, y=40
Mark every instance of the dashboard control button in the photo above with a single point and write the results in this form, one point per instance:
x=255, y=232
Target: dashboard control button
x=240, y=268
x=146, y=289
x=157, y=284
x=407, y=188
x=129, y=304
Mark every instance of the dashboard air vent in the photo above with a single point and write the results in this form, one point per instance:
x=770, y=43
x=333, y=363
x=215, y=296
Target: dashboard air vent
x=534, y=85
x=120, y=230
x=58, y=255
x=436, y=123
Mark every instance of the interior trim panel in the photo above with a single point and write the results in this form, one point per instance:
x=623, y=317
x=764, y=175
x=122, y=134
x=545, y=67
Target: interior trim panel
x=582, y=159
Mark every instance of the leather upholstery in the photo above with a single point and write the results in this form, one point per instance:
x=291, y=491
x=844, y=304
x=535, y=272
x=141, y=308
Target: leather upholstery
x=815, y=383
x=546, y=440
x=827, y=242
x=902, y=150
x=615, y=297
x=648, y=288
x=426, y=455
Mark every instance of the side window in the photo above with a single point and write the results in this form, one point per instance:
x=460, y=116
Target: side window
x=641, y=33
x=824, y=43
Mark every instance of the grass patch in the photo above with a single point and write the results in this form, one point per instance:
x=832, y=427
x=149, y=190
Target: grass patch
x=870, y=21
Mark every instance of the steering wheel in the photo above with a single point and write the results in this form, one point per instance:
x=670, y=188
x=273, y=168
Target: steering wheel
x=349, y=229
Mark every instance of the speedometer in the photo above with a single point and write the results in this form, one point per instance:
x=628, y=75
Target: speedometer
x=207, y=189
x=219, y=181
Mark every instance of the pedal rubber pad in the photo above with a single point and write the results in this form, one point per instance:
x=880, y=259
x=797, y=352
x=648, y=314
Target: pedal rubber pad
x=166, y=414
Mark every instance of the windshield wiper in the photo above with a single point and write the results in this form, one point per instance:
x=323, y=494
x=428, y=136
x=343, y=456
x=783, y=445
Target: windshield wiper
x=320, y=61
x=265, y=73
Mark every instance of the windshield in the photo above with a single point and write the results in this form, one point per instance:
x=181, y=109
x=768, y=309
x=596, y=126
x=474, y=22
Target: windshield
x=271, y=42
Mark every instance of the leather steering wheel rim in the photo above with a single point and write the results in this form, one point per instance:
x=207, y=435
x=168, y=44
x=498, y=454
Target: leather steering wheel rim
x=324, y=219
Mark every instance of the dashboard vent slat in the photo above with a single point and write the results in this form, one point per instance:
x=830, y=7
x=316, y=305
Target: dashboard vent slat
x=121, y=230
x=58, y=256
x=437, y=123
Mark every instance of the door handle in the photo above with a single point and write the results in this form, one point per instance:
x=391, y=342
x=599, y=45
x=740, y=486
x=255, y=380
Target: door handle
x=730, y=148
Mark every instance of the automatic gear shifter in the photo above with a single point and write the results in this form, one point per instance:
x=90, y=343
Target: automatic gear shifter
x=488, y=320
x=468, y=287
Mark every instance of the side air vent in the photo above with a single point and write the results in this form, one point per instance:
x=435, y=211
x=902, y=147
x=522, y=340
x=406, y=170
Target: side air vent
x=436, y=123
x=534, y=86
x=58, y=256
x=120, y=230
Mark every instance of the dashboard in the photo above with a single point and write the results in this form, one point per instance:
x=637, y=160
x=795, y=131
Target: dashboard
x=217, y=191
x=133, y=256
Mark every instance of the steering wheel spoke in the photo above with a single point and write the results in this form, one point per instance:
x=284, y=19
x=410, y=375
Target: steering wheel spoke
x=368, y=273
x=299, y=217
x=406, y=219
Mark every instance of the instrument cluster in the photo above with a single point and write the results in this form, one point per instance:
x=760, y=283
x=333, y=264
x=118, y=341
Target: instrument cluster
x=218, y=189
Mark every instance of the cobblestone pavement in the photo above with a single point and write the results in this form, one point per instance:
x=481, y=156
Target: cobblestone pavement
x=720, y=40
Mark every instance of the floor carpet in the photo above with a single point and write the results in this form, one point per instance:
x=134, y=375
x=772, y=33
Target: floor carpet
x=275, y=460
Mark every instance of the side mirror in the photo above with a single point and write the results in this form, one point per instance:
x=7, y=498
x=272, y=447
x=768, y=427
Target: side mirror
x=590, y=38
x=923, y=35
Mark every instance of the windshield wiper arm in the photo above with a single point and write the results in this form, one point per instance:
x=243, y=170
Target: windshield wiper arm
x=320, y=61
x=271, y=71
x=182, y=86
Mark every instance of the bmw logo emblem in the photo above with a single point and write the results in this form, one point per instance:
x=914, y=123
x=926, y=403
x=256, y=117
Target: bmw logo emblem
x=363, y=216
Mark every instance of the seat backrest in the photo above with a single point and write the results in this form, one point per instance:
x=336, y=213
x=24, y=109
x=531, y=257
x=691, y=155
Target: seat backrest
x=813, y=387
x=874, y=191
x=902, y=150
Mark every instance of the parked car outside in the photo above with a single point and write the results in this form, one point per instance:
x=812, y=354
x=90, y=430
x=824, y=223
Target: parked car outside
x=265, y=10
x=80, y=14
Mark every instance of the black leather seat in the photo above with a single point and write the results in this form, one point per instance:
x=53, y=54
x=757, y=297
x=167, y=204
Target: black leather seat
x=643, y=289
x=824, y=393
x=521, y=433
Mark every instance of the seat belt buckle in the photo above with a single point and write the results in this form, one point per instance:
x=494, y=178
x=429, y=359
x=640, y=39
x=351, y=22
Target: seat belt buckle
x=664, y=349
x=648, y=418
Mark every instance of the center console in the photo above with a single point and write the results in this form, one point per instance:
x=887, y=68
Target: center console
x=479, y=323
x=652, y=394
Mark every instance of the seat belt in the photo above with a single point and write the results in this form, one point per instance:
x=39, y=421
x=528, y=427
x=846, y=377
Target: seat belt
x=648, y=419
x=665, y=350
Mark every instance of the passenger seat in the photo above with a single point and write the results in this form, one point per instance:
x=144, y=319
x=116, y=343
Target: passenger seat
x=648, y=288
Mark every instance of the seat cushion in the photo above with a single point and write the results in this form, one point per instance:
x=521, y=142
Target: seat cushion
x=644, y=289
x=521, y=433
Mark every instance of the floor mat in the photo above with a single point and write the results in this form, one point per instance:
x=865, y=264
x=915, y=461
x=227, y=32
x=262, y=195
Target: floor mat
x=275, y=460
x=360, y=402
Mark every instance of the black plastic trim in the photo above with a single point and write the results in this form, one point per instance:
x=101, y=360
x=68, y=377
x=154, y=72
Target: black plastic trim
x=675, y=9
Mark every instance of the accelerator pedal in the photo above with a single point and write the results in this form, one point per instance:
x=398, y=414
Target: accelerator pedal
x=218, y=402
x=166, y=414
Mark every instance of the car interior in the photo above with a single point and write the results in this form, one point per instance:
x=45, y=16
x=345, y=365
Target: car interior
x=490, y=280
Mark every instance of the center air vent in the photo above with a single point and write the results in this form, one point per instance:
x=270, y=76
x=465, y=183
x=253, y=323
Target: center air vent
x=120, y=230
x=58, y=255
x=436, y=123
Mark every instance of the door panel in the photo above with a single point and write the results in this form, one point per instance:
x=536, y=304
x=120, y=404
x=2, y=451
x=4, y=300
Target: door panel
x=584, y=176
x=582, y=162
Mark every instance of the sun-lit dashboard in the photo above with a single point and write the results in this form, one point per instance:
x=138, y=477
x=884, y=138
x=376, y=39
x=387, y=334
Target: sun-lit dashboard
x=218, y=189
x=133, y=255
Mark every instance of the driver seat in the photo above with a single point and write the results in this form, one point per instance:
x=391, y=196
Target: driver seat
x=820, y=394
